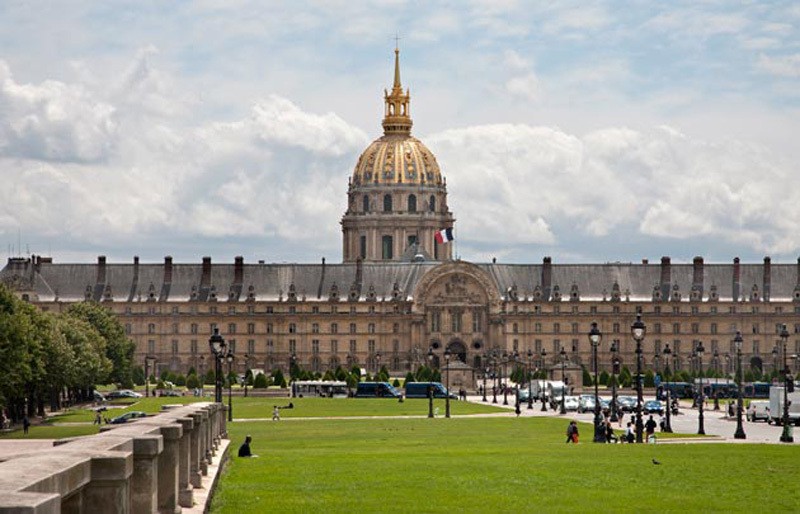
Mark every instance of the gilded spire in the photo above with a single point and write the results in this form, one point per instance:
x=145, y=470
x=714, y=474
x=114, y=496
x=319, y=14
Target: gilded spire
x=397, y=116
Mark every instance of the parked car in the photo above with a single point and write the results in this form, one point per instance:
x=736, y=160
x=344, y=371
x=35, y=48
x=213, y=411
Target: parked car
x=128, y=416
x=586, y=403
x=653, y=407
x=571, y=403
x=169, y=392
x=758, y=409
x=123, y=393
x=626, y=403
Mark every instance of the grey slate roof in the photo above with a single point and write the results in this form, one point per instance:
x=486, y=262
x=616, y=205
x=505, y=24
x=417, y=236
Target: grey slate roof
x=124, y=282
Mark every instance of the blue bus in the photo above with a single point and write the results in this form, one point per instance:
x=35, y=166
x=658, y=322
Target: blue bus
x=756, y=390
x=677, y=390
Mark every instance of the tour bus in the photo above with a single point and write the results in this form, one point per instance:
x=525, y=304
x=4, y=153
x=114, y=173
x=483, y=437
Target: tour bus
x=677, y=390
x=756, y=390
x=319, y=388
x=721, y=387
x=420, y=390
x=376, y=390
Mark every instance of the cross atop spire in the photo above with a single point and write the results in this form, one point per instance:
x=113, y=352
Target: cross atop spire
x=397, y=116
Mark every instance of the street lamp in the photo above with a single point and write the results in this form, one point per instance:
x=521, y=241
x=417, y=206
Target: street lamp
x=494, y=376
x=246, y=367
x=430, y=382
x=563, y=354
x=737, y=341
x=505, y=379
x=217, y=345
x=638, y=330
x=147, y=360
x=530, y=380
x=447, y=382
x=543, y=390
x=614, y=372
x=485, y=363
x=786, y=435
x=230, y=359
x=378, y=363
x=595, y=336
x=515, y=355
x=667, y=353
x=699, y=352
x=202, y=375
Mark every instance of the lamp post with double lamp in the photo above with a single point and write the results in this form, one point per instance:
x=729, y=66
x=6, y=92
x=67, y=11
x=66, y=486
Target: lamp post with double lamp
x=737, y=342
x=217, y=345
x=699, y=350
x=638, y=331
x=595, y=336
x=542, y=390
x=447, y=382
x=505, y=379
x=230, y=358
x=563, y=354
x=786, y=435
x=430, y=382
x=530, y=380
x=667, y=353
x=147, y=360
x=614, y=373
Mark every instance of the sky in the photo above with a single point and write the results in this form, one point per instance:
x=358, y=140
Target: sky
x=585, y=131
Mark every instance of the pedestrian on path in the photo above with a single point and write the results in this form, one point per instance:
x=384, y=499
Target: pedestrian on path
x=26, y=424
x=276, y=413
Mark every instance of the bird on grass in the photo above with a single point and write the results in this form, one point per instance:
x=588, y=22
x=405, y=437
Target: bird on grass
x=656, y=462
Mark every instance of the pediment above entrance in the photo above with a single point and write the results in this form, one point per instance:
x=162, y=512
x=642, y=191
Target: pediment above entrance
x=456, y=283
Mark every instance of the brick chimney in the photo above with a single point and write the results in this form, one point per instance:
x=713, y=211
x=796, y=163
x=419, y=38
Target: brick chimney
x=101, y=269
x=205, y=278
x=547, y=277
x=767, y=286
x=168, y=269
x=697, y=273
x=666, y=277
x=238, y=269
x=737, y=275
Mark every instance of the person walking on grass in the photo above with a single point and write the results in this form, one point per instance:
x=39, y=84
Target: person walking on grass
x=276, y=413
x=572, y=432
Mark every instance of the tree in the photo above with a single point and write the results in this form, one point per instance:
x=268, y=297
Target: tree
x=649, y=379
x=210, y=378
x=278, y=378
x=260, y=381
x=409, y=378
x=192, y=382
x=587, y=378
x=137, y=374
x=119, y=349
x=604, y=377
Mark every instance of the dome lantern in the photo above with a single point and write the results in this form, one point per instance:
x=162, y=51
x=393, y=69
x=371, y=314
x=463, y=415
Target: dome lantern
x=397, y=115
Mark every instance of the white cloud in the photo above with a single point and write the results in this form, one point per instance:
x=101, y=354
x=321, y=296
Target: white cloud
x=524, y=86
x=783, y=66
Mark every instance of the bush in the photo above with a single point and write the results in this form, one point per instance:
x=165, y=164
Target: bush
x=587, y=378
x=278, y=378
x=396, y=382
x=192, y=382
x=210, y=377
x=180, y=380
x=409, y=378
x=604, y=377
x=161, y=385
x=260, y=381
x=138, y=376
x=649, y=379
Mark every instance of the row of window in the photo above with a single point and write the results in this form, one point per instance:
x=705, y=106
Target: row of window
x=411, y=203
x=270, y=328
x=657, y=328
x=251, y=309
x=656, y=309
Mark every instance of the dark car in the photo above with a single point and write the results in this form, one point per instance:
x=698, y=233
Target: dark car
x=626, y=403
x=123, y=393
x=128, y=416
x=653, y=407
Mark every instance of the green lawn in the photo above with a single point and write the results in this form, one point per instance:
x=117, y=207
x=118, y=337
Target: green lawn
x=492, y=465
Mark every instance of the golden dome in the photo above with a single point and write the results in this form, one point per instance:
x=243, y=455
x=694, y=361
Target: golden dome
x=395, y=159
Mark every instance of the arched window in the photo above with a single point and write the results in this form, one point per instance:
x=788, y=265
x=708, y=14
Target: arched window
x=412, y=203
x=432, y=204
x=366, y=203
x=387, y=203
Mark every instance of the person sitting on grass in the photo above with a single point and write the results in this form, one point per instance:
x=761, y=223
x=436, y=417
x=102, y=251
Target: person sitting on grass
x=244, y=449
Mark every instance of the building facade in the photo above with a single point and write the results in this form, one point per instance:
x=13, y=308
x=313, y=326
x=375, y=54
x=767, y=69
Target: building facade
x=399, y=295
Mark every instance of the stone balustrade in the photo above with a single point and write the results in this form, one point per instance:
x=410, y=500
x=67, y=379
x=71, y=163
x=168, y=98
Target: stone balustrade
x=151, y=465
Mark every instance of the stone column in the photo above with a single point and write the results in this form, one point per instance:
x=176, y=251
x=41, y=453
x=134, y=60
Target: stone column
x=196, y=450
x=205, y=437
x=109, y=489
x=185, y=498
x=168, y=470
x=144, y=484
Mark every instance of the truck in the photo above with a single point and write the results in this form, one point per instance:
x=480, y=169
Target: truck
x=776, y=406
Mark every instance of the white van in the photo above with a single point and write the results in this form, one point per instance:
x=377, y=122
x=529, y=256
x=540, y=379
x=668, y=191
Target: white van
x=758, y=410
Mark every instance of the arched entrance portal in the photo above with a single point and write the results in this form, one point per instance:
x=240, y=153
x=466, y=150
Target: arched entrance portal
x=458, y=350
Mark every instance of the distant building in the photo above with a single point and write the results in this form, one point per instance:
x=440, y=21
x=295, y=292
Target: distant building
x=398, y=293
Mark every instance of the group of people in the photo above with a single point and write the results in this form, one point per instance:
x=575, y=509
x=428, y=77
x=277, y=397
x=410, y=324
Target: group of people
x=607, y=431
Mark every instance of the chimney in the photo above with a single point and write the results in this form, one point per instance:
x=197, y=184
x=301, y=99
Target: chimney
x=168, y=269
x=645, y=261
x=666, y=277
x=205, y=278
x=765, y=292
x=547, y=277
x=697, y=275
x=238, y=269
x=101, y=269
x=321, y=279
x=737, y=273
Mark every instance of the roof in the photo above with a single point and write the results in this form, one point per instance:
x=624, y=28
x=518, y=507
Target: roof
x=182, y=282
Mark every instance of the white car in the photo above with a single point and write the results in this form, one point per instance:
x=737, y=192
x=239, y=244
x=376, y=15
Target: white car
x=571, y=403
x=758, y=409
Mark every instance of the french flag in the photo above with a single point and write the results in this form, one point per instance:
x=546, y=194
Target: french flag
x=444, y=236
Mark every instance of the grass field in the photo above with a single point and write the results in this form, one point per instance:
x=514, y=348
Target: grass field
x=492, y=465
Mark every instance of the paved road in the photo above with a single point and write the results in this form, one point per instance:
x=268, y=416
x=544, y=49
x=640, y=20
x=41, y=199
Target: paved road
x=715, y=422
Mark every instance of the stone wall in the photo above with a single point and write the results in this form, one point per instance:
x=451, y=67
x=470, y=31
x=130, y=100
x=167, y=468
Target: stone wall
x=151, y=465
